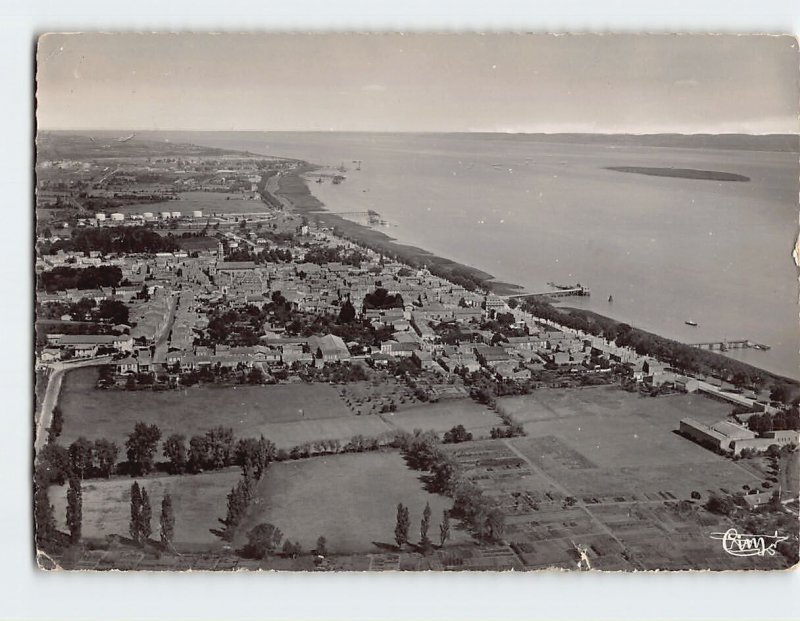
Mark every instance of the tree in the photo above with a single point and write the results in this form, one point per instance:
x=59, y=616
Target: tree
x=145, y=517
x=175, y=452
x=292, y=550
x=141, y=447
x=134, y=528
x=54, y=464
x=495, y=524
x=56, y=424
x=425, y=524
x=167, y=521
x=74, y=509
x=402, y=525
x=105, y=456
x=263, y=539
x=444, y=528
x=322, y=546
x=457, y=434
x=347, y=312
x=198, y=453
x=43, y=515
x=80, y=456
x=220, y=446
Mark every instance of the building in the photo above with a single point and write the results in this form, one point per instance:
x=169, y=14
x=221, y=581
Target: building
x=329, y=348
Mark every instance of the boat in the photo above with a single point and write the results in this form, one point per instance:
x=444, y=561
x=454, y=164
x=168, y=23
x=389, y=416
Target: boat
x=689, y=322
x=610, y=299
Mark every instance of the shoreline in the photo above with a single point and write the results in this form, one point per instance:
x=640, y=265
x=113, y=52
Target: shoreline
x=292, y=188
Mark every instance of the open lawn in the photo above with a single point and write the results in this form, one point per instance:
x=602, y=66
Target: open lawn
x=286, y=414
x=350, y=499
x=445, y=415
x=198, y=500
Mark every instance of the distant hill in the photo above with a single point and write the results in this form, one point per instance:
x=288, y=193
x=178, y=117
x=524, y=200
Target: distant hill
x=100, y=145
x=745, y=142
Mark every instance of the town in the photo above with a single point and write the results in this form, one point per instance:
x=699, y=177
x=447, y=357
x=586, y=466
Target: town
x=182, y=298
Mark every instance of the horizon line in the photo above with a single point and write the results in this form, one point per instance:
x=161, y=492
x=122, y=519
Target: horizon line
x=466, y=131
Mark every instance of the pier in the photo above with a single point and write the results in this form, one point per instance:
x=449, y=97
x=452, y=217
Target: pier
x=557, y=293
x=732, y=344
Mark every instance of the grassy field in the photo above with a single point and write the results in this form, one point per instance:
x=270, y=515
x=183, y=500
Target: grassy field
x=208, y=202
x=443, y=416
x=349, y=499
x=198, y=500
x=287, y=414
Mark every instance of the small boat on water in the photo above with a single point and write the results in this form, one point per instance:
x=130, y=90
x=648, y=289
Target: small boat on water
x=689, y=322
x=610, y=299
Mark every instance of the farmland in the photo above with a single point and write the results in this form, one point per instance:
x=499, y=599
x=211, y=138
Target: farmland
x=603, y=470
x=349, y=499
x=198, y=500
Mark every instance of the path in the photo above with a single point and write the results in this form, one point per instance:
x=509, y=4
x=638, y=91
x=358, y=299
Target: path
x=50, y=400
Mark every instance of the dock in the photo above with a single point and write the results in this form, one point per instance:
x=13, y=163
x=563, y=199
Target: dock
x=557, y=293
x=730, y=344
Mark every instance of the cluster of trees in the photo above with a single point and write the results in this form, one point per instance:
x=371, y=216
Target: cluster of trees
x=86, y=309
x=92, y=277
x=788, y=419
x=477, y=511
x=403, y=525
x=321, y=256
x=380, y=299
x=140, y=525
x=255, y=457
x=268, y=255
x=678, y=355
x=120, y=239
x=456, y=434
x=216, y=449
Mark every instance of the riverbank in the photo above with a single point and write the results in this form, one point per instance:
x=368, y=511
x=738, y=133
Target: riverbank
x=293, y=188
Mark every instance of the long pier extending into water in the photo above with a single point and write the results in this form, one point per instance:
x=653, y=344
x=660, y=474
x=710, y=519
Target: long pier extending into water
x=556, y=293
x=732, y=344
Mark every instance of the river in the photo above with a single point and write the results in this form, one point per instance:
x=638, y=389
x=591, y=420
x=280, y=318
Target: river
x=669, y=250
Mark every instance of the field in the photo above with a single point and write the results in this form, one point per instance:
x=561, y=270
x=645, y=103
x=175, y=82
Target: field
x=603, y=469
x=208, y=202
x=198, y=500
x=287, y=414
x=349, y=499
x=443, y=416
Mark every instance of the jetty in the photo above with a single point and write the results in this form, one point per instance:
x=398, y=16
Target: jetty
x=730, y=344
x=556, y=293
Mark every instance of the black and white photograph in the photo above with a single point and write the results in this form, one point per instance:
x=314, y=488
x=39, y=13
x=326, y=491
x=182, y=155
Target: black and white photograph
x=352, y=302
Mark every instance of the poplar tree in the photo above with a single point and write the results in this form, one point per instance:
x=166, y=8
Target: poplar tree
x=74, y=509
x=402, y=525
x=444, y=528
x=167, y=521
x=136, y=510
x=425, y=524
x=145, y=517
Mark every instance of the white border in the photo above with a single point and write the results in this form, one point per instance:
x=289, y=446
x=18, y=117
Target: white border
x=26, y=593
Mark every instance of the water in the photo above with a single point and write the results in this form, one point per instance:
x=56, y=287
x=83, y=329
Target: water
x=529, y=212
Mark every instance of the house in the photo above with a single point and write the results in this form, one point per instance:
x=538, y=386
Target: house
x=127, y=365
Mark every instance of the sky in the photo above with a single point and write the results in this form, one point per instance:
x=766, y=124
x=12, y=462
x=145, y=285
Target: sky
x=446, y=83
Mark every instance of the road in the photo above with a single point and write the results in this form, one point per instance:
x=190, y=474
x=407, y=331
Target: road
x=45, y=414
x=162, y=338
